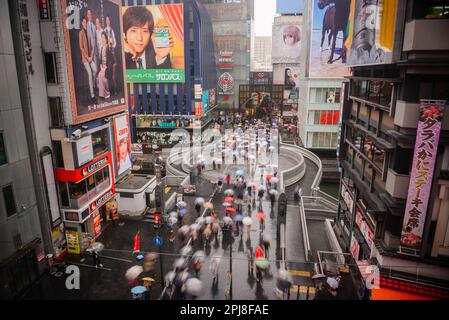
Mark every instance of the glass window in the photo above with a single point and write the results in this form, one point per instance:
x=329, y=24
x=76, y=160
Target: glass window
x=10, y=202
x=64, y=194
x=100, y=142
x=91, y=183
x=77, y=190
x=50, y=68
x=57, y=152
x=3, y=159
x=56, y=112
x=99, y=177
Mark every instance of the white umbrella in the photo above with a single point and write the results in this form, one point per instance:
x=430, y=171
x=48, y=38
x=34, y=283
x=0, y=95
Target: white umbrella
x=133, y=272
x=332, y=282
x=187, y=250
x=227, y=220
x=200, y=201
x=274, y=192
x=252, y=157
x=262, y=188
x=274, y=180
x=170, y=276
x=97, y=246
x=184, y=230
x=172, y=221
x=179, y=263
x=247, y=221
x=266, y=238
x=193, y=286
x=199, y=256
x=195, y=227
x=229, y=192
x=272, y=148
x=181, y=204
x=173, y=214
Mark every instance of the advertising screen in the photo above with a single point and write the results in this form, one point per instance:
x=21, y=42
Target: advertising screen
x=372, y=27
x=122, y=145
x=286, y=43
x=291, y=79
x=329, y=33
x=153, y=38
x=92, y=36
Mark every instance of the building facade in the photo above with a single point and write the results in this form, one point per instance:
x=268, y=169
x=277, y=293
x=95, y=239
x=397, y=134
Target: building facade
x=75, y=101
x=261, y=60
x=394, y=149
x=233, y=40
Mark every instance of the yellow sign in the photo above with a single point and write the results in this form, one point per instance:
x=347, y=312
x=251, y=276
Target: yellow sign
x=73, y=242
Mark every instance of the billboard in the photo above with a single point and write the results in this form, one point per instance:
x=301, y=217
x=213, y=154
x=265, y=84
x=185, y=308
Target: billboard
x=424, y=158
x=122, y=145
x=289, y=6
x=212, y=97
x=371, y=32
x=286, y=41
x=94, y=58
x=153, y=38
x=329, y=32
x=205, y=101
x=291, y=78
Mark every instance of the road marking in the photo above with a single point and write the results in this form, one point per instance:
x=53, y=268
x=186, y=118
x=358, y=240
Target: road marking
x=300, y=273
x=302, y=289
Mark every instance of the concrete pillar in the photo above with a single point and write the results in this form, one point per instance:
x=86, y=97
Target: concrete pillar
x=441, y=237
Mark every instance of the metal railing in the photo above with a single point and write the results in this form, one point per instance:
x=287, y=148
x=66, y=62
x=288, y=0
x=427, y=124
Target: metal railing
x=305, y=232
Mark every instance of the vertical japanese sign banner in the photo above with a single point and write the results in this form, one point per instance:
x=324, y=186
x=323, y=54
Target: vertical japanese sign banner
x=424, y=157
x=153, y=38
x=122, y=145
x=92, y=36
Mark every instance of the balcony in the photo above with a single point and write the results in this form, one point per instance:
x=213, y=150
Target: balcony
x=380, y=93
x=397, y=184
x=426, y=35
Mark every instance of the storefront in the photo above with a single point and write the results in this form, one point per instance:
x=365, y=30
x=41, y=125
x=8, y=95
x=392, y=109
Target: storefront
x=84, y=194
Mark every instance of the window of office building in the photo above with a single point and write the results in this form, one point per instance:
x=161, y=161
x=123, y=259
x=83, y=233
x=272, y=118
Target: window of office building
x=325, y=95
x=10, y=202
x=3, y=159
x=322, y=139
x=56, y=112
x=50, y=68
x=100, y=142
x=321, y=117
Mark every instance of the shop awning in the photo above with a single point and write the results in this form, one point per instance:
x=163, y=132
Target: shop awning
x=391, y=294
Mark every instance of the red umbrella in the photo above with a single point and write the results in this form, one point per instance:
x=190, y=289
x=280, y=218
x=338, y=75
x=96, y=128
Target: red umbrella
x=260, y=253
x=229, y=199
x=261, y=216
x=230, y=209
x=136, y=243
x=268, y=177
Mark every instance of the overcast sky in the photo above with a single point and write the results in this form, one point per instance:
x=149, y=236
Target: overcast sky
x=264, y=16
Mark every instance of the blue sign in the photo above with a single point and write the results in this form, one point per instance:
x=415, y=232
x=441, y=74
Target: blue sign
x=158, y=241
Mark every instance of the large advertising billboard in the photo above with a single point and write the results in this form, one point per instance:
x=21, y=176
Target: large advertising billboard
x=153, y=38
x=371, y=32
x=329, y=33
x=286, y=43
x=291, y=78
x=94, y=56
x=424, y=158
x=122, y=145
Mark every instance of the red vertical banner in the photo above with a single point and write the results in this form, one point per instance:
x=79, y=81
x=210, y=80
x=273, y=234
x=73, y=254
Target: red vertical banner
x=137, y=242
x=424, y=158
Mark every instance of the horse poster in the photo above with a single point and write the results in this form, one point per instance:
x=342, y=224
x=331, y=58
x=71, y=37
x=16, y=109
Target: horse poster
x=329, y=33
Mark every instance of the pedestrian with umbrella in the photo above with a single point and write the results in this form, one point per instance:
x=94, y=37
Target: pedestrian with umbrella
x=261, y=217
x=198, y=259
x=266, y=242
x=214, y=267
x=260, y=263
x=215, y=230
x=272, y=199
x=95, y=248
x=284, y=283
x=250, y=257
x=228, y=179
x=260, y=194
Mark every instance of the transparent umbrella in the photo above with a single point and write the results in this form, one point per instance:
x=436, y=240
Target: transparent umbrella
x=227, y=220
x=208, y=205
x=187, y=250
x=200, y=201
x=247, y=221
x=172, y=221
x=209, y=220
x=179, y=263
x=193, y=286
x=97, y=246
x=199, y=256
x=181, y=204
x=229, y=192
x=184, y=230
x=173, y=214
x=133, y=272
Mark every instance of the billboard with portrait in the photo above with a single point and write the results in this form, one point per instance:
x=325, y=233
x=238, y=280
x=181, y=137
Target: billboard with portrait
x=371, y=32
x=122, y=145
x=286, y=43
x=329, y=32
x=153, y=39
x=291, y=78
x=94, y=58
